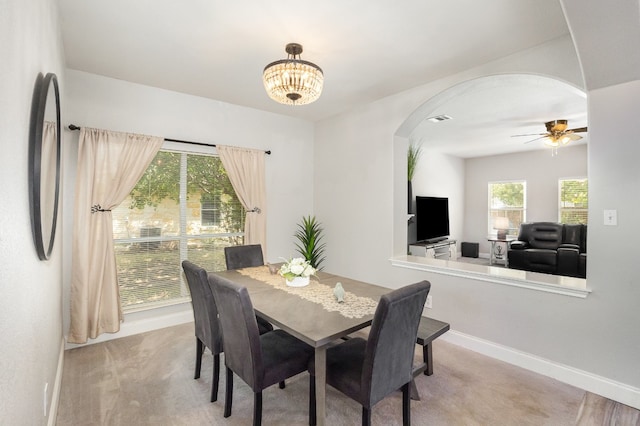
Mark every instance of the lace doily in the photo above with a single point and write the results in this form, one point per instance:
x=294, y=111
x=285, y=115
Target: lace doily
x=353, y=306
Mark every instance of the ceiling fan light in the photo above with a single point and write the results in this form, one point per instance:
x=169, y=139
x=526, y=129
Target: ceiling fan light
x=551, y=142
x=293, y=81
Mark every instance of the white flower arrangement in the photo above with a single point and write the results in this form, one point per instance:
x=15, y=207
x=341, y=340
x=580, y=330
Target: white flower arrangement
x=296, y=267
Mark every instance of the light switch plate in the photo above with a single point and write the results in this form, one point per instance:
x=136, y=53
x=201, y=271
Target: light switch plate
x=611, y=217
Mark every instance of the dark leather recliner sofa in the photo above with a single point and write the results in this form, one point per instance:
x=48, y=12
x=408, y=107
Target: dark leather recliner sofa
x=552, y=248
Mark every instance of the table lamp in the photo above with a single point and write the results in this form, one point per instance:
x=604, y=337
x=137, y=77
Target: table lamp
x=501, y=224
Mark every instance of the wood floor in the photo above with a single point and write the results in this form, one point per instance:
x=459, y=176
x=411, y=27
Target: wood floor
x=147, y=379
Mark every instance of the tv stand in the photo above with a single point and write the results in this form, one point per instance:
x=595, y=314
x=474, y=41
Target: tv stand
x=433, y=240
x=444, y=249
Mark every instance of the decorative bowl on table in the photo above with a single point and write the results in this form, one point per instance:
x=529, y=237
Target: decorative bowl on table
x=297, y=271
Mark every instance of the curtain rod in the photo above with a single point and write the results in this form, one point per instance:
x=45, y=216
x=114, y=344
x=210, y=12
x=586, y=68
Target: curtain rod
x=74, y=127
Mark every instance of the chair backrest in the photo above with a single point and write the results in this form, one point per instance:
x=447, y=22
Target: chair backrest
x=245, y=256
x=388, y=362
x=572, y=234
x=205, y=311
x=242, y=350
x=544, y=235
x=576, y=234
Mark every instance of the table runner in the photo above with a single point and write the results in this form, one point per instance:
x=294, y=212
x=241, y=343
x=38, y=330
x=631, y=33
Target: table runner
x=353, y=306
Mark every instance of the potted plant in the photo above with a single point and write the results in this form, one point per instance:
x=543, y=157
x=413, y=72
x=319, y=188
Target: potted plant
x=309, y=245
x=413, y=156
x=297, y=271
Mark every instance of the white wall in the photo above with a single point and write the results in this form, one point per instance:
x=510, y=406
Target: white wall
x=539, y=169
x=614, y=177
x=105, y=103
x=596, y=336
x=30, y=302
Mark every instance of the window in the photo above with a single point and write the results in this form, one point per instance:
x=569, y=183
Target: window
x=573, y=201
x=183, y=207
x=507, y=200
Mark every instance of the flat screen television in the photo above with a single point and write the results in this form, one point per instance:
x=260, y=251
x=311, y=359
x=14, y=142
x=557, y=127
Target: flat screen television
x=432, y=219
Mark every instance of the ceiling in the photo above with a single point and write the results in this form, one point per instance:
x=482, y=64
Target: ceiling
x=367, y=49
x=487, y=112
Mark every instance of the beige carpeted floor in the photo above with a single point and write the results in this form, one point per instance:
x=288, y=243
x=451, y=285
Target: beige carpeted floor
x=148, y=380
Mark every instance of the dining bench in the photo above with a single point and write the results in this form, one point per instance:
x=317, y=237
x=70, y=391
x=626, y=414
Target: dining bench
x=428, y=331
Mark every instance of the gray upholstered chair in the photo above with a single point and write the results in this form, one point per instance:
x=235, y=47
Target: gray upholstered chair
x=259, y=360
x=205, y=316
x=237, y=257
x=245, y=256
x=369, y=370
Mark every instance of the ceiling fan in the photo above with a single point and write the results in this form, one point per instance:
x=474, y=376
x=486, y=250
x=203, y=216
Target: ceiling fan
x=557, y=133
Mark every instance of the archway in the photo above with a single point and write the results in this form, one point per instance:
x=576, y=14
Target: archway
x=485, y=113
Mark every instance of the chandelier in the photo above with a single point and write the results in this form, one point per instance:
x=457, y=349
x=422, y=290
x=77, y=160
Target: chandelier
x=293, y=81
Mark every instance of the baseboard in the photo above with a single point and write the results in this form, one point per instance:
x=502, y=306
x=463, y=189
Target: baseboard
x=141, y=322
x=607, y=388
x=55, y=395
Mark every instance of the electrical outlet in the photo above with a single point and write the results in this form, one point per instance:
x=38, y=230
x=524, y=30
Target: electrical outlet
x=429, y=302
x=45, y=400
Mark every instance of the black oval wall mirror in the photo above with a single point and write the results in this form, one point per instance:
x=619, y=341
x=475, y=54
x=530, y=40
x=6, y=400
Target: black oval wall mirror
x=44, y=163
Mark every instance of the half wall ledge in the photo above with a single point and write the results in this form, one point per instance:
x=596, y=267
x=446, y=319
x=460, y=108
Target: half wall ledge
x=566, y=286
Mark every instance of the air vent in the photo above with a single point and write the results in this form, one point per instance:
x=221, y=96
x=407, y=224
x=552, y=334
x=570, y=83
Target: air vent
x=439, y=118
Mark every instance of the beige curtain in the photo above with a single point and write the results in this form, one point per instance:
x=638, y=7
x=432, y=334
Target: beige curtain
x=245, y=168
x=109, y=166
x=48, y=171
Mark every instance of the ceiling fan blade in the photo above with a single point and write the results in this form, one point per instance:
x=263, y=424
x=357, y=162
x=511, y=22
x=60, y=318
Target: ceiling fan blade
x=529, y=134
x=536, y=139
x=578, y=130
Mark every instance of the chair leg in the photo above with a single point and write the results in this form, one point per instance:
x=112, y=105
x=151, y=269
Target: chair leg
x=216, y=378
x=366, y=416
x=199, y=351
x=229, y=393
x=257, y=408
x=312, y=400
x=281, y=385
x=406, y=407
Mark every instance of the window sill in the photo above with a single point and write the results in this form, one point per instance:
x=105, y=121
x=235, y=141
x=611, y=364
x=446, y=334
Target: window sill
x=132, y=309
x=567, y=286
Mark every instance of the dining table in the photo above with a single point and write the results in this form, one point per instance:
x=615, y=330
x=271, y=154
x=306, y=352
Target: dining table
x=311, y=313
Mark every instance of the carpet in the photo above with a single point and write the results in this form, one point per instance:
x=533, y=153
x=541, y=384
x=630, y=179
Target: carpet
x=147, y=379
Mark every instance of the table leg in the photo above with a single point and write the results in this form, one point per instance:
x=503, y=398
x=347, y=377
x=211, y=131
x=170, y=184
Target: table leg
x=321, y=380
x=492, y=254
x=506, y=257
